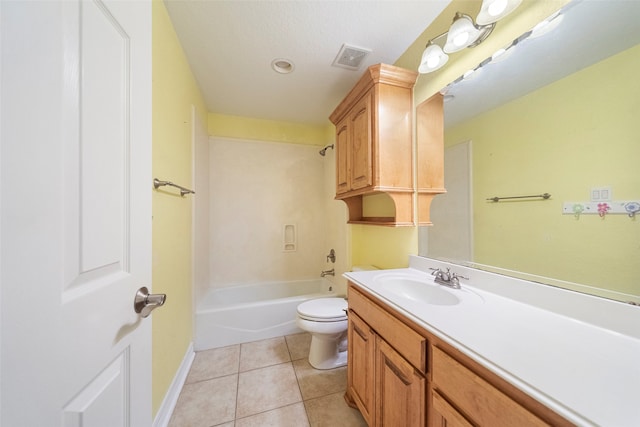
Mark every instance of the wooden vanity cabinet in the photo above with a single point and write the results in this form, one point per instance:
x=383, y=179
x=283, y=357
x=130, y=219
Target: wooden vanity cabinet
x=386, y=366
x=361, y=340
x=374, y=143
x=400, y=389
x=399, y=374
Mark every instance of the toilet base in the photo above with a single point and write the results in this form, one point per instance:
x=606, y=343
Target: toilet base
x=324, y=352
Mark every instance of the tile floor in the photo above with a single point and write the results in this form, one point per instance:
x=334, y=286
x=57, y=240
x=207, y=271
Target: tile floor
x=263, y=383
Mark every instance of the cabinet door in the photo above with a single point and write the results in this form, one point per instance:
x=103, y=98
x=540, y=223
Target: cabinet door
x=445, y=415
x=400, y=390
x=342, y=157
x=361, y=364
x=361, y=144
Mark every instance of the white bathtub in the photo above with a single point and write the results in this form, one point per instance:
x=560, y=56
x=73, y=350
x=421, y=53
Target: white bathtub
x=240, y=314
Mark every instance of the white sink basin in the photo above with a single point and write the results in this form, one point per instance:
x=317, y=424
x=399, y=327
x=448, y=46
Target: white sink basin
x=419, y=291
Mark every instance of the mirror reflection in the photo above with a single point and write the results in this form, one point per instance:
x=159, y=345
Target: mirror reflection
x=557, y=114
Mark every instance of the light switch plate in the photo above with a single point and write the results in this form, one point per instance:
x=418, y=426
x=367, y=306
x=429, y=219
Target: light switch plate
x=601, y=194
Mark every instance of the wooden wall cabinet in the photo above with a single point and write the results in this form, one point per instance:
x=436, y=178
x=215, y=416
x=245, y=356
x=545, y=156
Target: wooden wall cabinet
x=399, y=374
x=374, y=143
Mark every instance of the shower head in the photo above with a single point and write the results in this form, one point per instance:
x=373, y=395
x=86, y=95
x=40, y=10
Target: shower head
x=324, y=150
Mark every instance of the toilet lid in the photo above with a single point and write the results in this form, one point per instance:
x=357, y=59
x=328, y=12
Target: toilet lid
x=324, y=309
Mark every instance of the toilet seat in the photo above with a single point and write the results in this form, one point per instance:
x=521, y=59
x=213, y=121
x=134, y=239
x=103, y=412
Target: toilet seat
x=323, y=310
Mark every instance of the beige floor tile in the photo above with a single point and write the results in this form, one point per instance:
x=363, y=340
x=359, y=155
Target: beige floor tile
x=287, y=416
x=316, y=383
x=206, y=403
x=299, y=345
x=332, y=411
x=218, y=362
x=263, y=353
x=263, y=389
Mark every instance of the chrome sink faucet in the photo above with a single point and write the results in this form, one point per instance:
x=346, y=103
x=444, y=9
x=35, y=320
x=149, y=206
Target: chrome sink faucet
x=447, y=278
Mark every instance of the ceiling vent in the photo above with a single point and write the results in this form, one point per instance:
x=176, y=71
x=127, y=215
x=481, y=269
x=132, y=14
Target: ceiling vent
x=350, y=57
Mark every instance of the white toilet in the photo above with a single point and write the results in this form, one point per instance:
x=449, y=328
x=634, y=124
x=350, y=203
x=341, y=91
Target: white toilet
x=326, y=320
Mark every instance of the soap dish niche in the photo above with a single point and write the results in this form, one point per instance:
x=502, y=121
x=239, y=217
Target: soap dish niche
x=289, y=238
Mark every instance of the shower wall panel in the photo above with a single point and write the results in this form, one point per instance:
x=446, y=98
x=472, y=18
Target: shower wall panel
x=256, y=188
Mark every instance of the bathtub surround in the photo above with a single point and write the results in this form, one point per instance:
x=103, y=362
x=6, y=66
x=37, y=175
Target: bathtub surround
x=201, y=227
x=255, y=188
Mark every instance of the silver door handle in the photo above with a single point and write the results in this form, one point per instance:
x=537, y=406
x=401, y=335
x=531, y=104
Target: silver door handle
x=144, y=302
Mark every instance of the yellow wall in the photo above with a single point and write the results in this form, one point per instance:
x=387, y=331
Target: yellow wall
x=174, y=92
x=390, y=248
x=574, y=134
x=269, y=130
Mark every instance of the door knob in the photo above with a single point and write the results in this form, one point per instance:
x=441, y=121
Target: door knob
x=144, y=302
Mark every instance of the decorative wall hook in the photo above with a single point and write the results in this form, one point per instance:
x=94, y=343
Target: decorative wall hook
x=577, y=210
x=615, y=207
x=632, y=208
x=603, y=208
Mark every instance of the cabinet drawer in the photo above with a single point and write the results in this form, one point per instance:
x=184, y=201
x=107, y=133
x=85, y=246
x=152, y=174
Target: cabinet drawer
x=410, y=344
x=475, y=398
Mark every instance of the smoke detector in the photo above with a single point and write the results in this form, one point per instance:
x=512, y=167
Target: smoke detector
x=350, y=57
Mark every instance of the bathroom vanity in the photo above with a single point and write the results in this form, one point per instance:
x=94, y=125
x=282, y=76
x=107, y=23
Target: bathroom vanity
x=496, y=352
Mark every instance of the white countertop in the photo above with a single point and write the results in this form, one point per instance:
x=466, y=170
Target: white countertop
x=582, y=362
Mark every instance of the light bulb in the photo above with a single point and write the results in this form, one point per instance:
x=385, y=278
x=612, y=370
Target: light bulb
x=433, y=61
x=497, y=7
x=461, y=39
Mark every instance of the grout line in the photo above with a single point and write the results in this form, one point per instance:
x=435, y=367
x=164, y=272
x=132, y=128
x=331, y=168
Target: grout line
x=235, y=412
x=291, y=362
x=274, y=409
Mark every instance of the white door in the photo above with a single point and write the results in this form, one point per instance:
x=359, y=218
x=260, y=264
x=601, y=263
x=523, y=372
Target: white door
x=76, y=212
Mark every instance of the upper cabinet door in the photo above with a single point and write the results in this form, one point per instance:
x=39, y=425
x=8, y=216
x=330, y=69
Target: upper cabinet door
x=361, y=144
x=342, y=155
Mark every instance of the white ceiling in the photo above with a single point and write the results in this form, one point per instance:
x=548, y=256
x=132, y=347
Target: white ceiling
x=230, y=45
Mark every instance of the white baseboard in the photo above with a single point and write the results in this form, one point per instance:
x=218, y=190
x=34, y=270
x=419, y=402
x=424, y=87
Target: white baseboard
x=171, y=398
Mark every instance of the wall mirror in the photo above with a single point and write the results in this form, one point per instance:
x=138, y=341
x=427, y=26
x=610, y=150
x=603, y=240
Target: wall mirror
x=557, y=114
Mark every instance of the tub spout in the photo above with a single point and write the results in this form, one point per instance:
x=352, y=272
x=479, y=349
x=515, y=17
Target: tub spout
x=331, y=272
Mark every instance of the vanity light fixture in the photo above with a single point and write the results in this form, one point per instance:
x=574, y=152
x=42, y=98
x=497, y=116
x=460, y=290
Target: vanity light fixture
x=433, y=58
x=493, y=10
x=464, y=33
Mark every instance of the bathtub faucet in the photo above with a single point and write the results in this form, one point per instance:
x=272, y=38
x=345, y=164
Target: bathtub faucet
x=331, y=272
